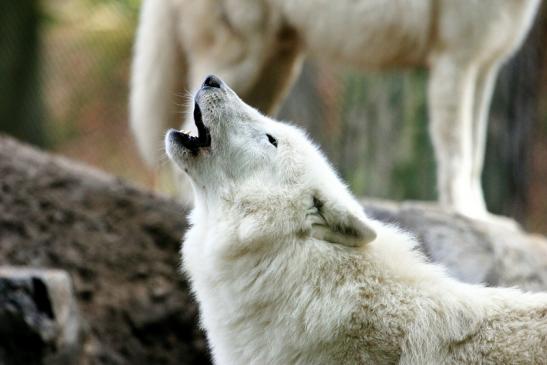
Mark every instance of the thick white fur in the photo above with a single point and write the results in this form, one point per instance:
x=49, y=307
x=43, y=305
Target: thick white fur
x=257, y=46
x=287, y=269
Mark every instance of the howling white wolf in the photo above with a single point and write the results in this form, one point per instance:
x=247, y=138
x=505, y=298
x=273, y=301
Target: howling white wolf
x=287, y=269
x=257, y=46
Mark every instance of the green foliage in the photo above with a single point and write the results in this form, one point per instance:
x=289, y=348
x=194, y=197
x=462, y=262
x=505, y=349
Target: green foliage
x=130, y=7
x=384, y=129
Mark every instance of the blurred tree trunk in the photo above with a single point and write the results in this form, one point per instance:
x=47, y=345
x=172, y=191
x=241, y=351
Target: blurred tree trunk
x=514, y=121
x=21, y=107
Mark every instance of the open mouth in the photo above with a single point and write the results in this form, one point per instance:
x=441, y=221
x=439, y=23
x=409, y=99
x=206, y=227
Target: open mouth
x=194, y=143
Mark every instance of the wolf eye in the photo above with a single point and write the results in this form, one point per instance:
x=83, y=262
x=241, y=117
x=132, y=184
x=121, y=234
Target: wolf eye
x=272, y=140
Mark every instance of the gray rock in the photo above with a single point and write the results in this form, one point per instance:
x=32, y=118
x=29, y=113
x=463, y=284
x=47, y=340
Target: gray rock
x=39, y=321
x=119, y=243
x=497, y=253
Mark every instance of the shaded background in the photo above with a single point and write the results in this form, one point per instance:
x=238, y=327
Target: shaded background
x=64, y=68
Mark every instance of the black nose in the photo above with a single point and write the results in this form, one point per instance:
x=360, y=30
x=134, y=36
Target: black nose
x=212, y=81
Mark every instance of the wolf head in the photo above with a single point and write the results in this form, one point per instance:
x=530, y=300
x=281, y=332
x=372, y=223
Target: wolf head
x=250, y=162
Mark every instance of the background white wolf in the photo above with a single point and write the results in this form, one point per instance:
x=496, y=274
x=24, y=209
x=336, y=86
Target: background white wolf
x=257, y=46
x=287, y=269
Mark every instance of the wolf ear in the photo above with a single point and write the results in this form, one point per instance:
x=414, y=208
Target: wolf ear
x=335, y=222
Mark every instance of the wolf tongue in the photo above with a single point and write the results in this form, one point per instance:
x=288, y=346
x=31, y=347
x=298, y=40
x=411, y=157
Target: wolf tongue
x=204, y=137
x=187, y=141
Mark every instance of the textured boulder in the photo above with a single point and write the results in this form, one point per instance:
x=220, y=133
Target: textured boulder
x=120, y=244
x=496, y=254
x=38, y=313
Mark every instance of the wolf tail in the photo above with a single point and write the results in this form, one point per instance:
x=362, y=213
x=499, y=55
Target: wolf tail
x=158, y=68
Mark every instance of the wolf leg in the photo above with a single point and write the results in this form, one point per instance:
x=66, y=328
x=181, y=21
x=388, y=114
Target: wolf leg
x=158, y=68
x=484, y=90
x=451, y=91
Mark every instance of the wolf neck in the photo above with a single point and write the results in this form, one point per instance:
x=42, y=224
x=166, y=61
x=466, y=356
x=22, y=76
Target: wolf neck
x=297, y=288
x=208, y=201
x=377, y=309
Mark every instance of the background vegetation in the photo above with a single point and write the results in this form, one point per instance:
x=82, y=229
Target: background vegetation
x=64, y=70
